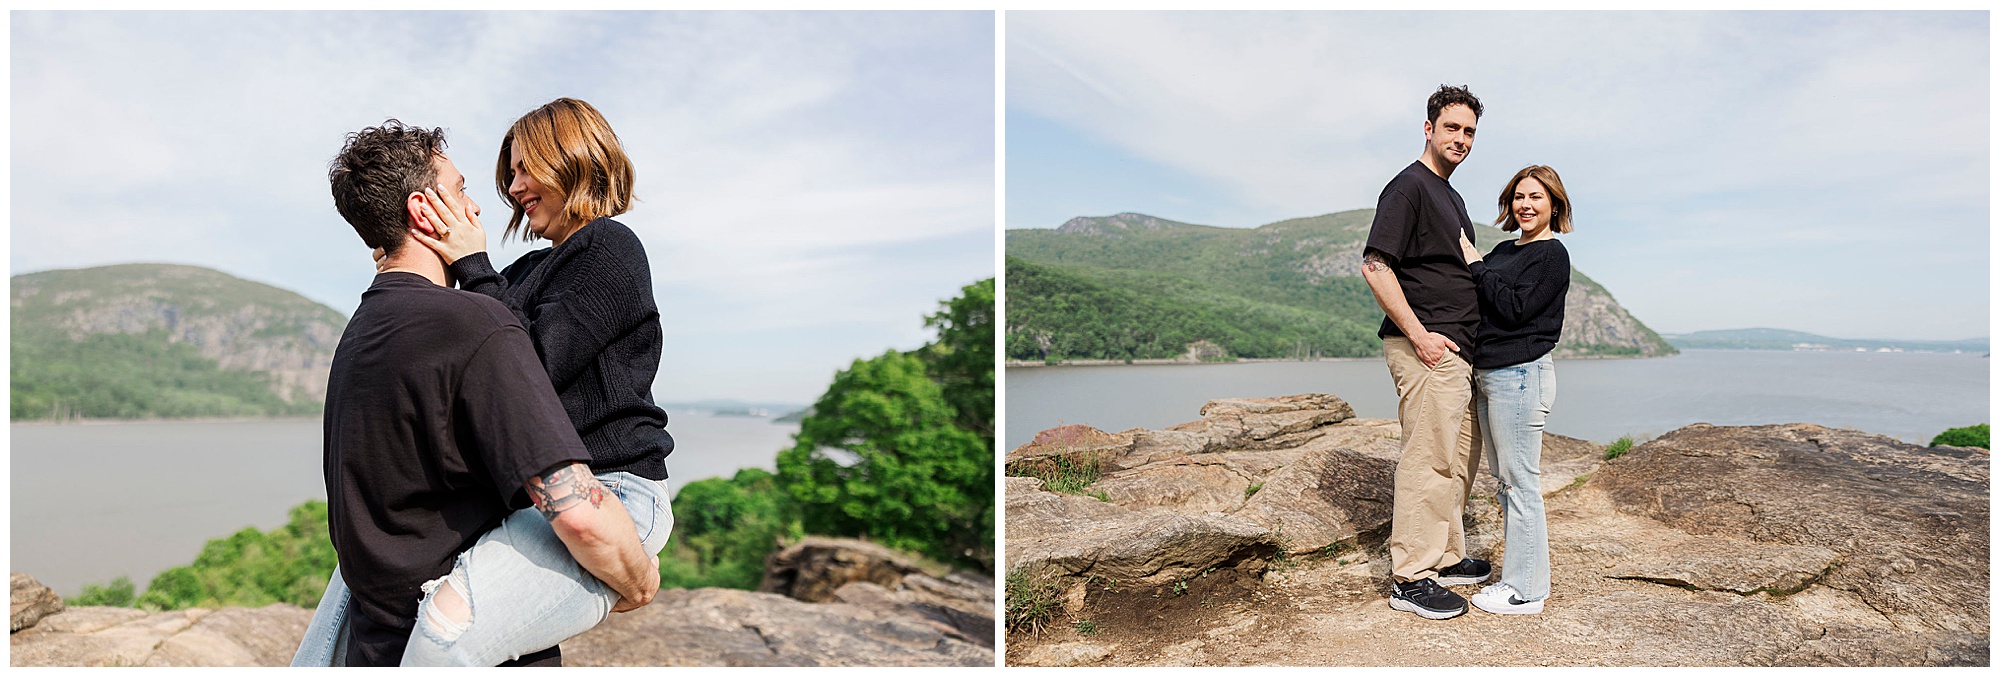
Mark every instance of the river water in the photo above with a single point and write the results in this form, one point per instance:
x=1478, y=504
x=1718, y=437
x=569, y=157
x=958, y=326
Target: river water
x=1909, y=396
x=93, y=501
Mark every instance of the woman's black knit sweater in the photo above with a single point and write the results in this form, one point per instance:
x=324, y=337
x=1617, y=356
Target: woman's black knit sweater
x=588, y=305
x=1521, y=293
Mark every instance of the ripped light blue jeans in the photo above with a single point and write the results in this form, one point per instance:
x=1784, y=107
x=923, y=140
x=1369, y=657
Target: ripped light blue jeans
x=525, y=590
x=1514, y=403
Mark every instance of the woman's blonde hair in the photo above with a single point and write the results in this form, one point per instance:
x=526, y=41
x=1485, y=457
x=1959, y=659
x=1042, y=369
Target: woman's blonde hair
x=569, y=147
x=1558, y=199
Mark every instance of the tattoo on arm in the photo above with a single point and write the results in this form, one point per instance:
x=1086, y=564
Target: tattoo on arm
x=1373, y=261
x=563, y=487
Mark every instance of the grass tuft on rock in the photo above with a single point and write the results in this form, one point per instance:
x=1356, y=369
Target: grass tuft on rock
x=1033, y=597
x=1066, y=474
x=1618, y=448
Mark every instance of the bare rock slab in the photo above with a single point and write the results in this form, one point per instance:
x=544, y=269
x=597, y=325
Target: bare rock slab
x=1068, y=654
x=1729, y=565
x=816, y=566
x=1074, y=445
x=31, y=601
x=1910, y=524
x=881, y=608
x=108, y=636
x=1327, y=496
x=718, y=627
x=1186, y=486
x=1639, y=629
x=1083, y=536
x=881, y=579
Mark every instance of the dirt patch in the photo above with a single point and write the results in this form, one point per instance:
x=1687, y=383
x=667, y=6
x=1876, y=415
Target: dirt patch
x=1145, y=621
x=1140, y=617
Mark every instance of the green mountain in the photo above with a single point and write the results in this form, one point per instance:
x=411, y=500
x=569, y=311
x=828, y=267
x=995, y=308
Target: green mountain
x=1133, y=286
x=1786, y=339
x=165, y=341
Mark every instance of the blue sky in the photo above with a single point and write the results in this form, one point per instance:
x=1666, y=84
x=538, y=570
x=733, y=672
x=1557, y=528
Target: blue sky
x=1825, y=172
x=811, y=184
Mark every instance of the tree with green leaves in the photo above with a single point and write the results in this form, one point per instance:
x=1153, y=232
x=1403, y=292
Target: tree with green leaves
x=1969, y=436
x=882, y=456
x=962, y=358
x=723, y=529
x=289, y=564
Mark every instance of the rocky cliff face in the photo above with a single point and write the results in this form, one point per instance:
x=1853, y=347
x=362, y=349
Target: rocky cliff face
x=872, y=607
x=1595, y=325
x=1116, y=223
x=242, y=325
x=1254, y=536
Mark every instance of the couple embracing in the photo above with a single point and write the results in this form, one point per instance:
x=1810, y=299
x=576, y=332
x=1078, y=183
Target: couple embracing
x=494, y=460
x=1467, y=338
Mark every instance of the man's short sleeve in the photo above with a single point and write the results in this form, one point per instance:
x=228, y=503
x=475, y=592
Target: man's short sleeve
x=508, y=415
x=1395, y=227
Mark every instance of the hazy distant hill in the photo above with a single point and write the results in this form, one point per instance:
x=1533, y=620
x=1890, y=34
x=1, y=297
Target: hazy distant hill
x=778, y=412
x=156, y=340
x=1136, y=286
x=1786, y=339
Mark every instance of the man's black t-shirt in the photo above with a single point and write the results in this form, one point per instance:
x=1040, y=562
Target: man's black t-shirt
x=437, y=413
x=1417, y=222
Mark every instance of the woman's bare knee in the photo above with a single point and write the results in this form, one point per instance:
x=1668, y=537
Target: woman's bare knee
x=448, y=613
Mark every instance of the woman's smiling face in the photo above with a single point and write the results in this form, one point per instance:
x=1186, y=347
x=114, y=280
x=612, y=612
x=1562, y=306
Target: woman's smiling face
x=1532, y=208
x=542, y=205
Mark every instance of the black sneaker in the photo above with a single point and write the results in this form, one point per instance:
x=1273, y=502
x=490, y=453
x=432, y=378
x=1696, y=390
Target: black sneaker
x=1425, y=598
x=1466, y=572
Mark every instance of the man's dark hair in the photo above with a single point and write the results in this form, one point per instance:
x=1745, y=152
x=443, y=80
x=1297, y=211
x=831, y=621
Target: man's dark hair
x=374, y=175
x=1448, y=95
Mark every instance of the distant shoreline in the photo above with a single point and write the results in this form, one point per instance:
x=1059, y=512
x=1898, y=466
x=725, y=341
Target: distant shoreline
x=1122, y=363
x=195, y=419
x=313, y=417
x=1012, y=364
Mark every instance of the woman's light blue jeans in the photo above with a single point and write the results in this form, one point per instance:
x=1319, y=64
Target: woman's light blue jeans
x=1514, y=403
x=525, y=590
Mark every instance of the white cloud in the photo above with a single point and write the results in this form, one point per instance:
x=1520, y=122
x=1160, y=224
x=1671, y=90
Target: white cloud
x=778, y=154
x=1796, y=144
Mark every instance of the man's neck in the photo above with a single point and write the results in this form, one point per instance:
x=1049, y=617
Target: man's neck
x=1437, y=165
x=419, y=259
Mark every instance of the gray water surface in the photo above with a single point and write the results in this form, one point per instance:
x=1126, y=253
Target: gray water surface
x=94, y=501
x=1909, y=396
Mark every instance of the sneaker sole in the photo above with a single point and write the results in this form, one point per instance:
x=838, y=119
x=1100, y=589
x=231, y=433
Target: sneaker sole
x=1462, y=580
x=1505, y=609
x=1401, y=604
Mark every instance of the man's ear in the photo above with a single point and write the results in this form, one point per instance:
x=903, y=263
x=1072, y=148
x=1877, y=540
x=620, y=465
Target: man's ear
x=415, y=206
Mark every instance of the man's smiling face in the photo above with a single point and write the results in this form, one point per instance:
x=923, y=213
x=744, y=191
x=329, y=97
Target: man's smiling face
x=1449, y=137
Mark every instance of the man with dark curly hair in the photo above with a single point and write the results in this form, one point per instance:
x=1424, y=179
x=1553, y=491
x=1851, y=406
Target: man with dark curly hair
x=1413, y=266
x=440, y=423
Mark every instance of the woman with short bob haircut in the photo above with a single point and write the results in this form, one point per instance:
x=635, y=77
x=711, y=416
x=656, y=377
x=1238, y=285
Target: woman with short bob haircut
x=567, y=147
x=1523, y=284
x=587, y=303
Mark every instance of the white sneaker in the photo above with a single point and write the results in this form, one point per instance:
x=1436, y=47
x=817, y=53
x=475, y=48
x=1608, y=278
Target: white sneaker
x=1499, y=598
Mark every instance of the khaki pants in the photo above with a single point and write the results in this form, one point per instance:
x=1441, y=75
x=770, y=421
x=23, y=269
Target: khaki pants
x=1440, y=457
